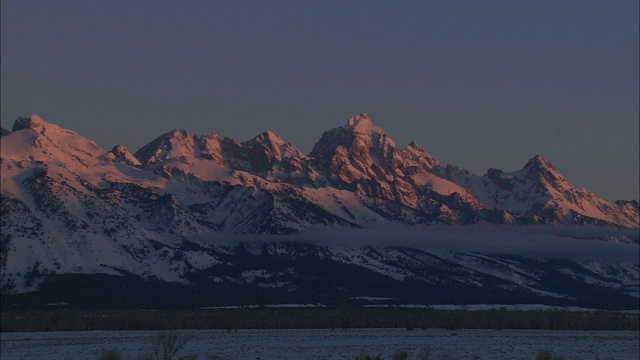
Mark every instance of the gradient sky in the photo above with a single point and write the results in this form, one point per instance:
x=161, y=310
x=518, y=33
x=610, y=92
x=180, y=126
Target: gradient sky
x=478, y=84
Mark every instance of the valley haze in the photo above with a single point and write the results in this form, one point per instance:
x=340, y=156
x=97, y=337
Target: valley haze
x=539, y=241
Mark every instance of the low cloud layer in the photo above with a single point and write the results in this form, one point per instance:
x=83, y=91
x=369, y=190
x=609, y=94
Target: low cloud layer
x=548, y=242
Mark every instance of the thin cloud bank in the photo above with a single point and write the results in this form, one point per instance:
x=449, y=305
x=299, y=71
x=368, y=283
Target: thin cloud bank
x=545, y=242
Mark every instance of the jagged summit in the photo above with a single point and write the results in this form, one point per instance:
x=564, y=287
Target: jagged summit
x=536, y=164
x=354, y=172
x=276, y=146
x=540, y=169
x=359, y=151
x=539, y=161
x=267, y=137
x=173, y=144
x=362, y=124
x=416, y=158
x=35, y=123
x=270, y=135
x=37, y=140
x=120, y=154
x=32, y=122
x=415, y=146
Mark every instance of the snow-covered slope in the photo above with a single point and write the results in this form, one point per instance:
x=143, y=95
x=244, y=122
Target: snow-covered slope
x=70, y=206
x=538, y=193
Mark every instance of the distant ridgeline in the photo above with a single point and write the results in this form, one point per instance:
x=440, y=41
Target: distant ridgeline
x=210, y=221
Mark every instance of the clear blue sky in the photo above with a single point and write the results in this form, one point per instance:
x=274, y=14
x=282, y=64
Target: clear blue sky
x=478, y=84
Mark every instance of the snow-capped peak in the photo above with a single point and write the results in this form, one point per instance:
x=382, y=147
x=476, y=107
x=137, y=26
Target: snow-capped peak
x=272, y=136
x=539, y=167
x=414, y=158
x=362, y=124
x=173, y=144
x=35, y=139
x=120, y=154
x=279, y=147
x=266, y=137
x=414, y=146
x=33, y=122
x=540, y=162
x=538, y=171
x=416, y=150
x=358, y=160
x=119, y=149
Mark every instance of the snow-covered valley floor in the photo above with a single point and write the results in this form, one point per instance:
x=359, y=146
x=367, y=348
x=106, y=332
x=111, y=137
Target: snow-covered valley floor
x=331, y=344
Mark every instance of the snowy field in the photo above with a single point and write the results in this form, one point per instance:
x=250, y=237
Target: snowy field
x=331, y=344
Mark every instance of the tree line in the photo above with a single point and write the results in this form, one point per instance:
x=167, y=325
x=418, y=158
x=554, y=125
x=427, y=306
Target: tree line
x=344, y=316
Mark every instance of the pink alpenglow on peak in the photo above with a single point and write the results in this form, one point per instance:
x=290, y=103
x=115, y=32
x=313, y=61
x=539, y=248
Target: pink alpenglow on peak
x=120, y=154
x=32, y=123
x=354, y=175
x=539, y=161
x=361, y=123
x=37, y=140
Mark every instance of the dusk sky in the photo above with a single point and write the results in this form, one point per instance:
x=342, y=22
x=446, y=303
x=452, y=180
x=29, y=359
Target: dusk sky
x=477, y=84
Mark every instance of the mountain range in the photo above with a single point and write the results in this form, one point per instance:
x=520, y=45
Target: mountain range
x=70, y=207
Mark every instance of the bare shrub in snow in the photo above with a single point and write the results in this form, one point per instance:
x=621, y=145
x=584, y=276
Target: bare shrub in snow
x=110, y=354
x=365, y=356
x=545, y=354
x=400, y=355
x=166, y=344
x=189, y=357
x=425, y=353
